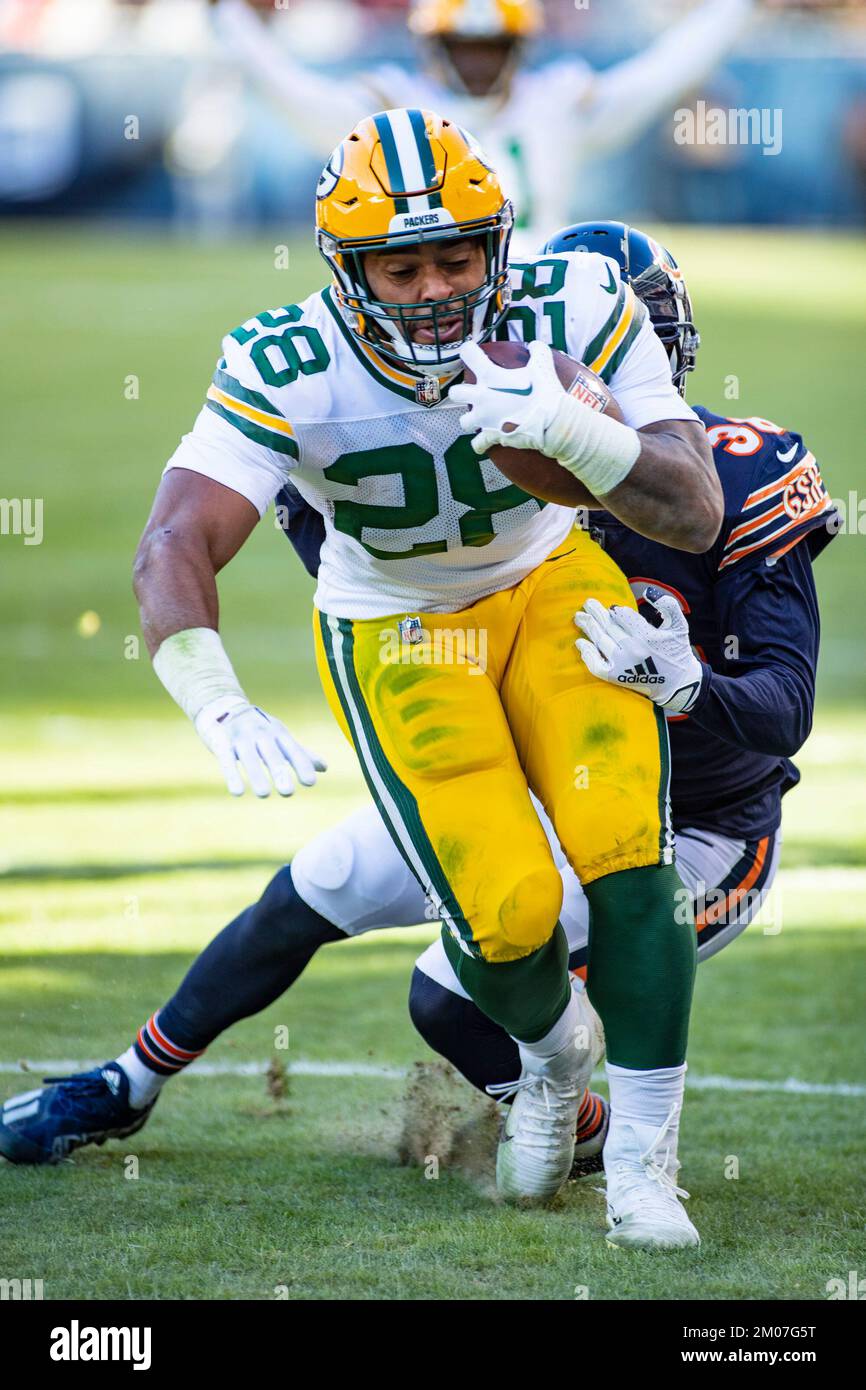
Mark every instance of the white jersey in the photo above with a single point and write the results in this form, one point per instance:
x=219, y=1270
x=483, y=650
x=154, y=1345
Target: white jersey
x=414, y=520
x=551, y=120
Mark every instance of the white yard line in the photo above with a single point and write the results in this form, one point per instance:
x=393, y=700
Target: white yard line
x=368, y=1069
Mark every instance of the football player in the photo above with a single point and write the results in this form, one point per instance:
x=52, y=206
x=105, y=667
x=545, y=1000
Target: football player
x=352, y=394
x=538, y=125
x=727, y=644
x=726, y=808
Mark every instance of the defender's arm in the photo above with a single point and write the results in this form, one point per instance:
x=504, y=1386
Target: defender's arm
x=764, y=700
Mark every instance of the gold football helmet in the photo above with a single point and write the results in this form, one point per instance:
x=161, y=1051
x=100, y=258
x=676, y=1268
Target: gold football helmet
x=399, y=178
x=475, y=45
x=476, y=19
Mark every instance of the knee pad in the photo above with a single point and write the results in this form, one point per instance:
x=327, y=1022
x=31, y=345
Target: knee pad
x=354, y=875
x=527, y=913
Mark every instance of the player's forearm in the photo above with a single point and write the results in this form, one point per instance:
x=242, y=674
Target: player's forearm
x=659, y=480
x=765, y=711
x=671, y=494
x=175, y=585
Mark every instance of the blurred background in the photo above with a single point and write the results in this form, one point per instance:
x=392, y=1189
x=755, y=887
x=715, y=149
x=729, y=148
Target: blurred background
x=213, y=150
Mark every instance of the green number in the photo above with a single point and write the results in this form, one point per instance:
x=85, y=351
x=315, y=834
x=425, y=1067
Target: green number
x=523, y=314
x=467, y=485
x=285, y=342
x=556, y=313
x=529, y=286
x=526, y=316
x=290, y=314
x=524, y=184
x=296, y=365
x=417, y=471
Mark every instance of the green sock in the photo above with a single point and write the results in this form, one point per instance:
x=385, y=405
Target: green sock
x=526, y=996
x=641, y=965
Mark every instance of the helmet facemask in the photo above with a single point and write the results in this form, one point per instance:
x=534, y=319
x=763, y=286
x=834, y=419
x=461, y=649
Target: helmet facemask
x=670, y=310
x=387, y=325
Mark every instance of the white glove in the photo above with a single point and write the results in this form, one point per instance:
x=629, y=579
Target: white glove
x=524, y=397
x=598, y=450
x=623, y=648
x=245, y=739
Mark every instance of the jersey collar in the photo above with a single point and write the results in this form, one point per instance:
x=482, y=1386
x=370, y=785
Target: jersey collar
x=384, y=372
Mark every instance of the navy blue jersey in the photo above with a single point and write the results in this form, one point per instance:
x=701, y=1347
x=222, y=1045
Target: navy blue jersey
x=753, y=619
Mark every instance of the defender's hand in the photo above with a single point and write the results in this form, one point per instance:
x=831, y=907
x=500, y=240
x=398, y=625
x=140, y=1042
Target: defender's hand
x=525, y=398
x=245, y=740
x=621, y=647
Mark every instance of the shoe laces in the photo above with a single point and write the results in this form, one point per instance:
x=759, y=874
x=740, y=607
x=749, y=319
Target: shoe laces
x=659, y=1166
x=540, y=1092
x=78, y=1087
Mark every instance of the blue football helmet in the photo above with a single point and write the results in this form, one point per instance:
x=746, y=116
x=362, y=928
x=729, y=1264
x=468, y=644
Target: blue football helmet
x=655, y=277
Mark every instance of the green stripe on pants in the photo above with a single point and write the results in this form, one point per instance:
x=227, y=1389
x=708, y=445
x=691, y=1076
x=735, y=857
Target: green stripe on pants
x=396, y=803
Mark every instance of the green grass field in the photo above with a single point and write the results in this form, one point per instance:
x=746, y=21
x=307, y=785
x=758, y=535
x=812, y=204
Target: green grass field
x=121, y=854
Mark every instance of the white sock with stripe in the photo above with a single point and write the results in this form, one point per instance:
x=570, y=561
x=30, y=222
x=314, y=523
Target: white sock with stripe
x=144, y=1084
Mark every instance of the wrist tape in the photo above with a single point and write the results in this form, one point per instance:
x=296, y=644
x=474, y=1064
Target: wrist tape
x=599, y=451
x=195, y=669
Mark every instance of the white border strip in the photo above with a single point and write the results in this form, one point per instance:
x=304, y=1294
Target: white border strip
x=384, y=1073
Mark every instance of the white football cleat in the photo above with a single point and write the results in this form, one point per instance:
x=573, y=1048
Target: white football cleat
x=536, y=1148
x=643, y=1207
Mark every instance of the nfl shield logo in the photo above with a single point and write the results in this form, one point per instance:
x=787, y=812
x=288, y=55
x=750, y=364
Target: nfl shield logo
x=427, y=391
x=411, y=630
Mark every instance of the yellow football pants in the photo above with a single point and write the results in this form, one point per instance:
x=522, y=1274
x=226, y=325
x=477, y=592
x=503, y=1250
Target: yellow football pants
x=452, y=728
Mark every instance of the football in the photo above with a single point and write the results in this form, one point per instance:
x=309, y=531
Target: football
x=534, y=472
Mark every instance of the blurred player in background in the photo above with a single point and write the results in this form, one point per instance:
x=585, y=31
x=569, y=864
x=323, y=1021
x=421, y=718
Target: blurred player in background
x=537, y=125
